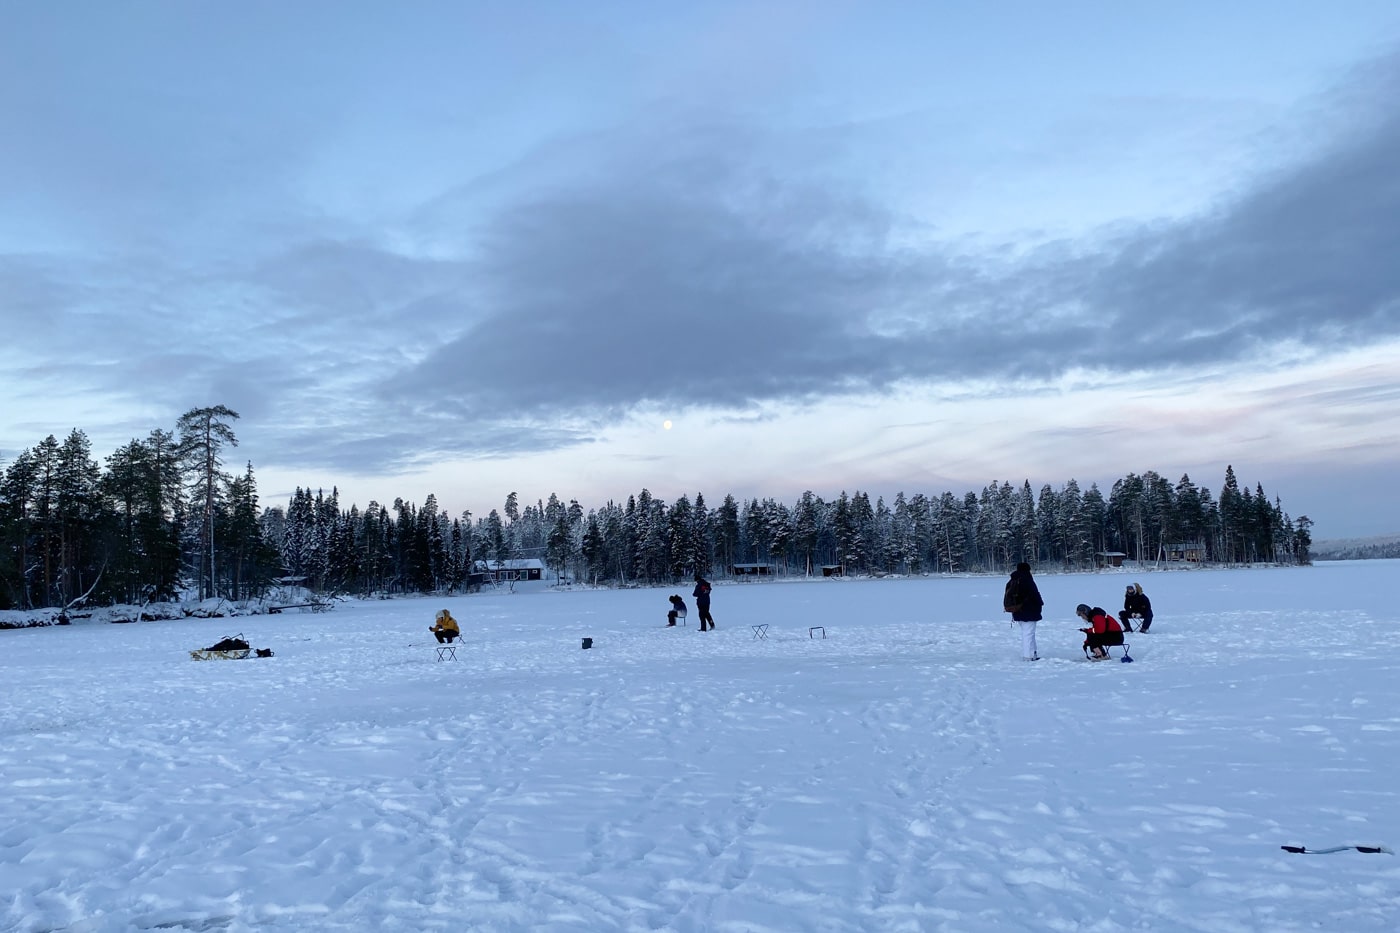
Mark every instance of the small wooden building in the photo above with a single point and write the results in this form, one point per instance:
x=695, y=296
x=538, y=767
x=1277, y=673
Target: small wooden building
x=1110, y=558
x=1192, y=553
x=753, y=570
x=506, y=571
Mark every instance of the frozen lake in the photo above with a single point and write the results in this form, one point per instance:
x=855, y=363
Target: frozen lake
x=907, y=772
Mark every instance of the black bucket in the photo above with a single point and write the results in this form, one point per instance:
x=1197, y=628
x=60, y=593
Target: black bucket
x=588, y=643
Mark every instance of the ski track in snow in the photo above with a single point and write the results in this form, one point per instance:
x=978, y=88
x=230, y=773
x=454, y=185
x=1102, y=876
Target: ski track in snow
x=908, y=773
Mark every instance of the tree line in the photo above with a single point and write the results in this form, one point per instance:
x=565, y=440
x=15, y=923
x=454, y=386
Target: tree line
x=162, y=519
x=1378, y=550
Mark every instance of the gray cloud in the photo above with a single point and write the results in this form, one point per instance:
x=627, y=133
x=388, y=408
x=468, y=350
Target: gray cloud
x=702, y=263
x=1303, y=257
x=700, y=279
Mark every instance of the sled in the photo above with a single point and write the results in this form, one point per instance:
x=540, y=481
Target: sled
x=230, y=654
x=229, y=649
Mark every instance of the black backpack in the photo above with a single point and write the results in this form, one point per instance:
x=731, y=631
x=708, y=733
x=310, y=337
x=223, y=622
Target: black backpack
x=1015, y=595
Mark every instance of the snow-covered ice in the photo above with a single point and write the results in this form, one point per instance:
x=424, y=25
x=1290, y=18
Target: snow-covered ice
x=907, y=772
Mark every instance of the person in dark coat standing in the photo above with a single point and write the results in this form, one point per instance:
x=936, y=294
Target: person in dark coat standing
x=1022, y=600
x=702, y=603
x=1136, y=603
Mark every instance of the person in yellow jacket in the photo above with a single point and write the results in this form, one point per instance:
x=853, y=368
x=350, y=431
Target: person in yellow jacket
x=446, y=628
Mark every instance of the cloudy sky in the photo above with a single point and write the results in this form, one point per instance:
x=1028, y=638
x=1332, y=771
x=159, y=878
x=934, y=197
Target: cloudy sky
x=475, y=248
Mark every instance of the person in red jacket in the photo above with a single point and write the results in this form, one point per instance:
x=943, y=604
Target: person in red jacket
x=1103, y=630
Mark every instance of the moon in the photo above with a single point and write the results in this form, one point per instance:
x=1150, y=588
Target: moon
x=666, y=424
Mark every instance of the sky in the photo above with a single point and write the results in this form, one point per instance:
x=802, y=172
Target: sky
x=906, y=773
x=754, y=248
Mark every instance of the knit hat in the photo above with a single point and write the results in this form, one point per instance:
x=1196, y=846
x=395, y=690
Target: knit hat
x=1082, y=610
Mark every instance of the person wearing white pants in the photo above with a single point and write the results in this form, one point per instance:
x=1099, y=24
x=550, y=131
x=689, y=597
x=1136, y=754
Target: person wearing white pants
x=1028, y=649
x=1022, y=600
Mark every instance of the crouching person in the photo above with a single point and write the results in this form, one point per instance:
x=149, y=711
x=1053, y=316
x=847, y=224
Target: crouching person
x=678, y=610
x=446, y=628
x=1136, y=604
x=1103, y=631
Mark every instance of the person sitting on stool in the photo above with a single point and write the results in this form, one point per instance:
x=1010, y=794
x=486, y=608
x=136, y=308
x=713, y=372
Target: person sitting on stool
x=1103, y=631
x=446, y=629
x=1136, y=603
x=678, y=609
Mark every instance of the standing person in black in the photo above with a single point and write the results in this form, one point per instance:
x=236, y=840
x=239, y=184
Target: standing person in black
x=702, y=602
x=1022, y=600
x=1136, y=603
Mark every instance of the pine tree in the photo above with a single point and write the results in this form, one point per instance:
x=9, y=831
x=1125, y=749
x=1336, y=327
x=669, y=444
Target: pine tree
x=1047, y=513
x=1077, y=540
x=1127, y=508
x=807, y=528
x=45, y=498
x=921, y=517
x=844, y=528
x=18, y=493
x=1024, y=533
x=1095, y=513
x=78, y=508
x=900, y=553
x=727, y=532
x=594, y=549
x=778, y=531
x=866, y=539
x=559, y=547
x=166, y=516
x=294, y=539
x=680, y=539
x=252, y=560
x=1191, y=518
x=1232, y=518
x=459, y=556
x=701, y=539
x=204, y=432
x=617, y=531
x=950, y=525
x=994, y=530
x=652, y=542
x=125, y=485
x=1302, y=539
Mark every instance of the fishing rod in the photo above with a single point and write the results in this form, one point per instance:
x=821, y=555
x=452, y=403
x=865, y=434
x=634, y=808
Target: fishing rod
x=1304, y=850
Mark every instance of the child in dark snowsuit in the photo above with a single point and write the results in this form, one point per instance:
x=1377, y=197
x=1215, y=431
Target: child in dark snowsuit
x=1103, y=630
x=678, y=609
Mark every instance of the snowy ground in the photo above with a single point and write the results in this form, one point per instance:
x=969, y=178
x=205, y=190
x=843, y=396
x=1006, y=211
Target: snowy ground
x=908, y=772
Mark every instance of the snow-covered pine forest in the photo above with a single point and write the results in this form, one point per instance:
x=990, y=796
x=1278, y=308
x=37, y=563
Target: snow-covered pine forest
x=1377, y=548
x=164, y=518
